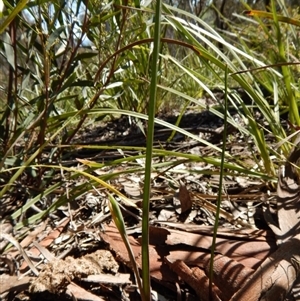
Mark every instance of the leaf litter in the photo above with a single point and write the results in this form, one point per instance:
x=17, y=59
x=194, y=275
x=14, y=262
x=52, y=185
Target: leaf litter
x=182, y=212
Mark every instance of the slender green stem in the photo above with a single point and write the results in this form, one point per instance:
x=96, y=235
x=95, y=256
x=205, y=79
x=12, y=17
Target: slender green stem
x=213, y=246
x=120, y=224
x=286, y=71
x=150, y=135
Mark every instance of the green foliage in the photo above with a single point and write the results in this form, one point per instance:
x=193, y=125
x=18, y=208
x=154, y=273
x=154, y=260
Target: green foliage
x=66, y=66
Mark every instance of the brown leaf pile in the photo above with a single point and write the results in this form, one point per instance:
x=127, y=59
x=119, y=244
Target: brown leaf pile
x=260, y=267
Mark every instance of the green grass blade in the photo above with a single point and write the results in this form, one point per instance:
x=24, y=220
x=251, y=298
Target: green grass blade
x=219, y=199
x=21, y=4
x=148, y=166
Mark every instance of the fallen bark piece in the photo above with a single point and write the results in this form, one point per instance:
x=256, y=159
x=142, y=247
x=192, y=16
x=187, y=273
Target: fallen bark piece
x=159, y=271
x=248, y=252
x=274, y=279
x=118, y=280
x=79, y=293
x=229, y=275
x=13, y=283
x=242, y=234
x=197, y=279
x=288, y=198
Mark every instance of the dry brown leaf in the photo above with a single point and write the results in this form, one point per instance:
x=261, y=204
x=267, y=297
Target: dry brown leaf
x=185, y=199
x=274, y=279
x=53, y=234
x=8, y=229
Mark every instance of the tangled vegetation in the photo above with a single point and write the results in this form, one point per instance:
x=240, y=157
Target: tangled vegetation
x=67, y=67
